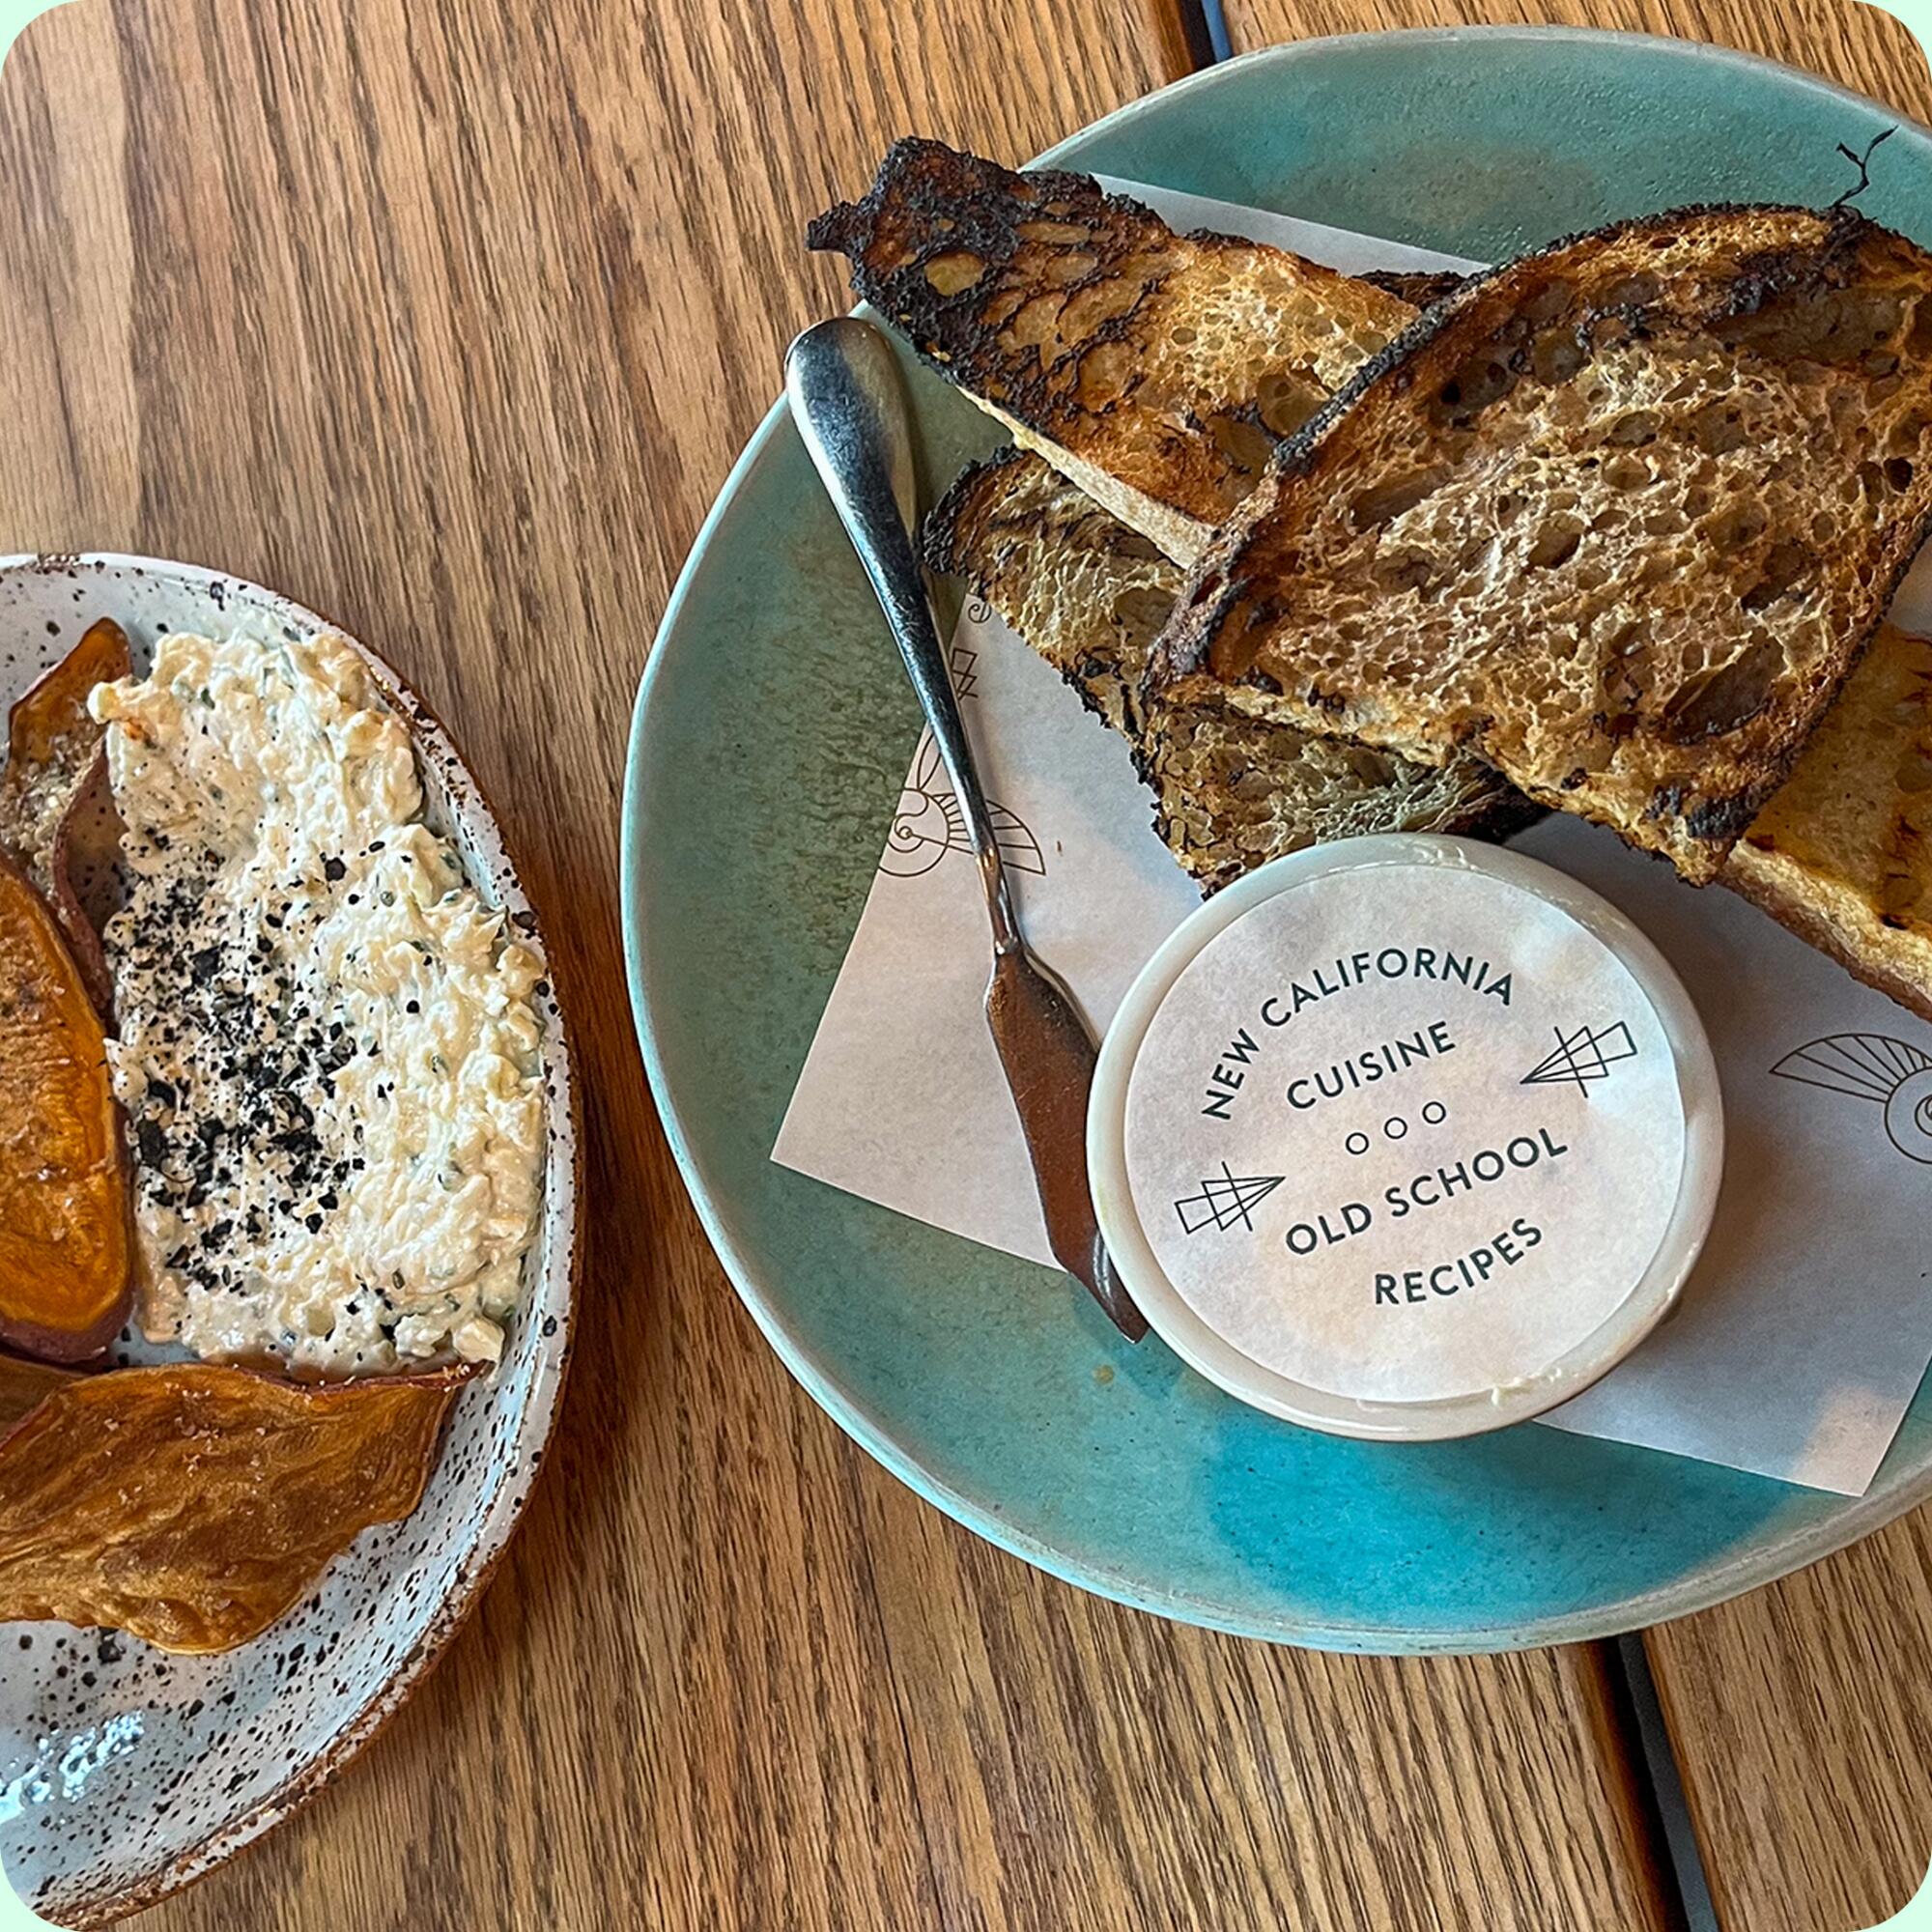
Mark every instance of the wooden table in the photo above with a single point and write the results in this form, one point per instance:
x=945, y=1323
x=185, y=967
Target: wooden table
x=448, y=316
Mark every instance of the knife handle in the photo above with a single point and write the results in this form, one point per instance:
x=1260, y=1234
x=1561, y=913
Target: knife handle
x=847, y=399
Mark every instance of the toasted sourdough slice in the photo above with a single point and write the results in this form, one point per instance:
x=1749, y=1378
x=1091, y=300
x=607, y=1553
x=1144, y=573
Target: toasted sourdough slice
x=1619, y=517
x=1158, y=371
x=1842, y=854
x=1231, y=791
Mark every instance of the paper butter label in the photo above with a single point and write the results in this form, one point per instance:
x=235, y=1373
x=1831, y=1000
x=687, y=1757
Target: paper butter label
x=1405, y=1134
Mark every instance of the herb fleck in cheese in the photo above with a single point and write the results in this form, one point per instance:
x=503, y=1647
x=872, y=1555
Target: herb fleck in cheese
x=328, y=1055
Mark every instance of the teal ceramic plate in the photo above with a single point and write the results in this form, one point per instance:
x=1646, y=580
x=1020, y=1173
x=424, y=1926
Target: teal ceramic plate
x=772, y=732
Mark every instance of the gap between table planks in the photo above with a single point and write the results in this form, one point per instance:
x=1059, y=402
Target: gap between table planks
x=1801, y=1714
x=449, y=319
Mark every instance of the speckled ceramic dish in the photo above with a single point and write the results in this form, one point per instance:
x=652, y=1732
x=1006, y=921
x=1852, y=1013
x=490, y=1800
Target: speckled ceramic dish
x=124, y=1772
x=771, y=734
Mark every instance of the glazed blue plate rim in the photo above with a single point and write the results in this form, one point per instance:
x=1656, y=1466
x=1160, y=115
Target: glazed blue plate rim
x=1291, y=52
x=1851, y=1519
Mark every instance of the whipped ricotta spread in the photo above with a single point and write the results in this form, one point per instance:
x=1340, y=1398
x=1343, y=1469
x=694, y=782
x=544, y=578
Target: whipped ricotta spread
x=328, y=1055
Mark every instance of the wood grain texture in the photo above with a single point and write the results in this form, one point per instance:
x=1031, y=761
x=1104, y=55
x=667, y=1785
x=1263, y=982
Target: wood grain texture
x=1802, y=1716
x=448, y=320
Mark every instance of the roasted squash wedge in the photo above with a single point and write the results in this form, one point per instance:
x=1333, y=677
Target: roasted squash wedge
x=66, y=1254
x=195, y=1504
x=53, y=710
x=54, y=762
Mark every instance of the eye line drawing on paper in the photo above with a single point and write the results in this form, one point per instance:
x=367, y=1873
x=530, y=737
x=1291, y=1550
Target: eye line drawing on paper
x=1893, y=1073
x=930, y=823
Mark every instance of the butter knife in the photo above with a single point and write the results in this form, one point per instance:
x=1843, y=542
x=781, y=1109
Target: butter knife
x=846, y=398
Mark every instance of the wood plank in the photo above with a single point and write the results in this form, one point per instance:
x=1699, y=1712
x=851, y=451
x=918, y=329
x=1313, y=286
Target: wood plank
x=1802, y=1714
x=1802, y=1717
x=1236, y=1786
x=448, y=319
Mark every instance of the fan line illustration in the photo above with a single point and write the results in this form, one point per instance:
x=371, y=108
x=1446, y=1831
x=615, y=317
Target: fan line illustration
x=1227, y=1202
x=1584, y=1057
x=1892, y=1074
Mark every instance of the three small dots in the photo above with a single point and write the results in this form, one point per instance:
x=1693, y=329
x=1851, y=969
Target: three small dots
x=1395, y=1127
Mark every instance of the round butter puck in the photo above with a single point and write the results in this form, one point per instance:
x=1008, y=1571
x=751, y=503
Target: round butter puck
x=1405, y=1137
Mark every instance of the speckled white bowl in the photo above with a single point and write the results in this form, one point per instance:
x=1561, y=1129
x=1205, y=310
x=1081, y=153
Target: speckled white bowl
x=124, y=1772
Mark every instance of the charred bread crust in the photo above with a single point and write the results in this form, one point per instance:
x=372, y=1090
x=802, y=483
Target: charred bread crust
x=1158, y=370
x=1419, y=288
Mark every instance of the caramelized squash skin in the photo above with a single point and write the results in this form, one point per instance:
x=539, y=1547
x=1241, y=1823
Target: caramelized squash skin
x=193, y=1505
x=23, y=1386
x=55, y=764
x=65, y=1247
x=53, y=710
